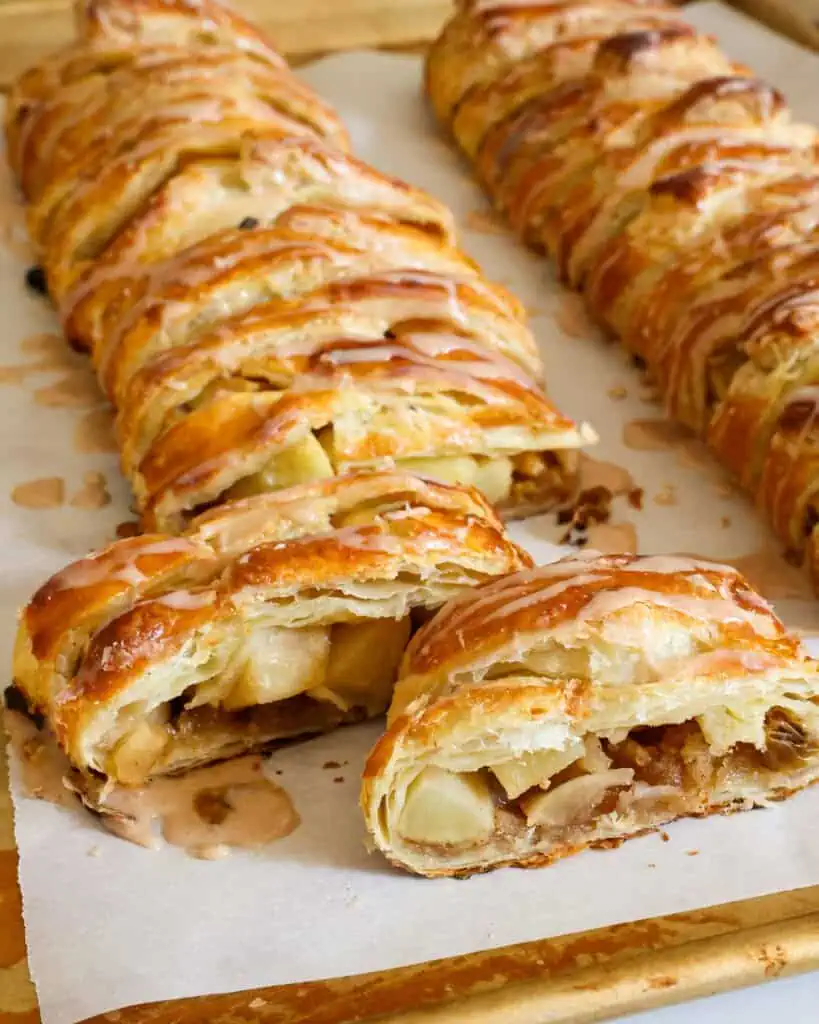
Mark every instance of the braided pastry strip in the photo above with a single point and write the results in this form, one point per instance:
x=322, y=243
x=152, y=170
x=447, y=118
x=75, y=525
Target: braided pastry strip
x=262, y=309
x=675, y=191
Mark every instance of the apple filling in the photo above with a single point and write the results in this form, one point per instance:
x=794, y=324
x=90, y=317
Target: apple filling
x=280, y=683
x=532, y=477
x=600, y=789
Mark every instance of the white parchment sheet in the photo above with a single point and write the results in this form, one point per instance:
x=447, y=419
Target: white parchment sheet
x=110, y=924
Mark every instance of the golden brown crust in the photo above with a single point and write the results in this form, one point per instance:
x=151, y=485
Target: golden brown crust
x=546, y=598
x=126, y=311
x=89, y=122
x=594, y=648
x=125, y=571
x=675, y=190
x=185, y=23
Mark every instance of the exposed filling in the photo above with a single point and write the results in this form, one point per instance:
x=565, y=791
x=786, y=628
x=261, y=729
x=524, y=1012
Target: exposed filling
x=282, y=682
x=501, y=478
x=604, y=788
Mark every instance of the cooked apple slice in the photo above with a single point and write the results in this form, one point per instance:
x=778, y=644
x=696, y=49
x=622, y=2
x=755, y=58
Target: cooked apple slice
x=594, y=757
x=494, y=477
x=447, y=807
x=573, y=802
x=363, y=665
x=299, y=464
x=535, y=769
x=280, y=663
x=449, y=469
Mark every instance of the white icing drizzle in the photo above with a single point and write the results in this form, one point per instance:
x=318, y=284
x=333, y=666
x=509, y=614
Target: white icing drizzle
x=187, y=600
x=539, y=587
x=117, y=563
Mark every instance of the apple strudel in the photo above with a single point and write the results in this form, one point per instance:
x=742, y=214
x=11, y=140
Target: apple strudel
x=262, y=309
x=675, y=191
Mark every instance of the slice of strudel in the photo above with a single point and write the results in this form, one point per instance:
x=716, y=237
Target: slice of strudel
x=277, y=616
x=582, y=703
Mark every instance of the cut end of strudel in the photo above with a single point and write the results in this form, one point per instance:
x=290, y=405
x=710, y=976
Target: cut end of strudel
x=274, y=617
x=583, y=703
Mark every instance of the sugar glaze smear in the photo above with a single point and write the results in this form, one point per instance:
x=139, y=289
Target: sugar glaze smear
x=43, y=766
x=208, y=812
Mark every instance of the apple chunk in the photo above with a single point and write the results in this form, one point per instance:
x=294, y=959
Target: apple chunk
x=447, y=807
x=574, y=802
x=535, y=768
x=364, y=660
x=300, y=463
x=280, y=663
x=492, y=476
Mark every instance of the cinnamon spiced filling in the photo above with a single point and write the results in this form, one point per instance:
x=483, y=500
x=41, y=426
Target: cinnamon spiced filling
x=599, y=789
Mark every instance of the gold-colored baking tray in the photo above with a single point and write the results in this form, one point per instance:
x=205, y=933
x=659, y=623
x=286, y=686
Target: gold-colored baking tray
x=574, y=979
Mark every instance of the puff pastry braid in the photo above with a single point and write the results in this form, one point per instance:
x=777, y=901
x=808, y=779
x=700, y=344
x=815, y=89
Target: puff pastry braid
x=277, y=616
x=262, y=309
x=581, y=703
x=675, y=190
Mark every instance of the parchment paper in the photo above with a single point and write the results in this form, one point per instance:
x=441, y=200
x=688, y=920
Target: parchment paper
x=109, y=924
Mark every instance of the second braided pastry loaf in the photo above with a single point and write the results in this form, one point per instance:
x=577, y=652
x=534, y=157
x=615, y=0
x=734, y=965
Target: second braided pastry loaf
x=262, y=309
x=676, y=192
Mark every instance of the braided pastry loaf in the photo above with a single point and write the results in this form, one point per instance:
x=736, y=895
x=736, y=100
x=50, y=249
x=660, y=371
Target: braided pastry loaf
x=674, y=190
x=263, y=309
x=582, y=703
x=276, y=616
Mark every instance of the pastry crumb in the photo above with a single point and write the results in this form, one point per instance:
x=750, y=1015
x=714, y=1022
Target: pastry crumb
x=667, y=495
x=95, y=851
x=618, y=393
x=331, y=764
x=338, y=778
x=651, y=865
x=691, y=853
x=665, y=837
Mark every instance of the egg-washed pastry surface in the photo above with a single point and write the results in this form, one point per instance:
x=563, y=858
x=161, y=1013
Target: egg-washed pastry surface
x=677, y=193
x=263, y=309
x=277, y=616
x=584, y=702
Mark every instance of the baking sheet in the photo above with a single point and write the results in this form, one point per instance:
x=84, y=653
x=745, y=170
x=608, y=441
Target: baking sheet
x=109, y=924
